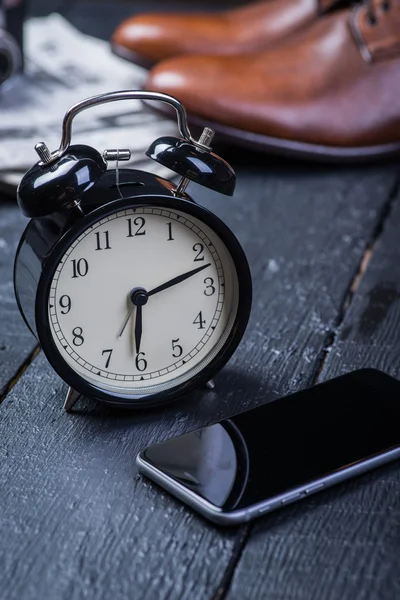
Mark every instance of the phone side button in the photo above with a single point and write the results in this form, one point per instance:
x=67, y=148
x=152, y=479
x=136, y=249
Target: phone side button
x=291, y=498
x=314, y=488
x=264, y=509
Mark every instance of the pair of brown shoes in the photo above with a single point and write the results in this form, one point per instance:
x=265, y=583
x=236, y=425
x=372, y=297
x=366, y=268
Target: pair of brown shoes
x=297, y=77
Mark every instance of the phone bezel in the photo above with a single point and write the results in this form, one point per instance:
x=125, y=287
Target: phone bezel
x=238, y=517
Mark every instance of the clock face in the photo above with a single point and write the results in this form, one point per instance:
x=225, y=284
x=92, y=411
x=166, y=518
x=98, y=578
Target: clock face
x=143, y=300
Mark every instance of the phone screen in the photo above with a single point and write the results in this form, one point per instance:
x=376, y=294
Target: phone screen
x=284, y=444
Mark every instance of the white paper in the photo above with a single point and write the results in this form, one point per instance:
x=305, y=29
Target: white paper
x=64, y=66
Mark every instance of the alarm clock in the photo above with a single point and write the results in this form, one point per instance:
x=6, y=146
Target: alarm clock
x=136, y=293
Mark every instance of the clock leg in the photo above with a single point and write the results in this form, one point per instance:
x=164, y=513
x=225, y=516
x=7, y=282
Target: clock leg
x=70, y=399
x=210, y=385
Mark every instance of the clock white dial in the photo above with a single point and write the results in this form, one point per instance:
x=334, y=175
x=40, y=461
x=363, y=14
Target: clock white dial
x=143, y=300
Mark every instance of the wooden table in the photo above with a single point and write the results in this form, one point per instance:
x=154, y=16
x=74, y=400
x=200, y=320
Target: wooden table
x=77, y=521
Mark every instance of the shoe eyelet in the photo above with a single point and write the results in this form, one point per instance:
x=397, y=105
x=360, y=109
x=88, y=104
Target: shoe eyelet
x=386, y=5
x=371, y=20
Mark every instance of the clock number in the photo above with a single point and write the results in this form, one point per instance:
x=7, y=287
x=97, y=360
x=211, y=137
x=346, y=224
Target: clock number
x=109, y=356
x=106, y=239
x=199, y=320
x=176, y=348
x=199, y=248
x=78, y=337
x=141, y=363
x=140, y=223
x=170, y=238
x=209, y=283
x=65, y=302
x=79, y=267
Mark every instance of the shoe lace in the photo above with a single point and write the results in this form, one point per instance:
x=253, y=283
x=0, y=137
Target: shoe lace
x=372, y=17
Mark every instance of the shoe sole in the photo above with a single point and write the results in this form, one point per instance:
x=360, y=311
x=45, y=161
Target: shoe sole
x=133, y=57
x=288, y=148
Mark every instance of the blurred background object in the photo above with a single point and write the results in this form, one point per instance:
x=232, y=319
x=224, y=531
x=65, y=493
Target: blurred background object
x=314, y=80
x=12, y=16
x=256, y=25
x=306, y=78
x=62, y=67
x=68, y=58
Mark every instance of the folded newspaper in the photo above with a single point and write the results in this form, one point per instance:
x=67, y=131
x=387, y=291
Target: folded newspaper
x=64, y=66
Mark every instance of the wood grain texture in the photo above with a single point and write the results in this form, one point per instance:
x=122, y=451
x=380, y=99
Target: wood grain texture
x=16, y=342
x=76, y=521
x=345, y=543
x=340, y=544
x=305, y=234
x=369, y=335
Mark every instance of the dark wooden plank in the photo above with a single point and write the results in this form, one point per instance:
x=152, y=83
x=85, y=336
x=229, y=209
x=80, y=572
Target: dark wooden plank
x=305, y=233
x=77, y=521
x=369, y=334
x=16, y=342
x=341, y=544
x=345, y=543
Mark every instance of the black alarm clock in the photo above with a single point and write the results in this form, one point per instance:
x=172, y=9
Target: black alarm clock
x=136, y=294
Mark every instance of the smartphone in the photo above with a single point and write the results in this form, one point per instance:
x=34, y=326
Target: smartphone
x=277, y=453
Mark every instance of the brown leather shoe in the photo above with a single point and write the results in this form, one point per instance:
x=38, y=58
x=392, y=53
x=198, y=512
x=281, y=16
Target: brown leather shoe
x=149, y=38
x=331, y=93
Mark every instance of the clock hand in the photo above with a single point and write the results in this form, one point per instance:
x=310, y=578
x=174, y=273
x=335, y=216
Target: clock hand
x=176, y=280
x=138, y=297
x=126, y=320
x=138, y=327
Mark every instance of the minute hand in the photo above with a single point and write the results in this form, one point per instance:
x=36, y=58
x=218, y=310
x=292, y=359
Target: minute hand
x=175, y=280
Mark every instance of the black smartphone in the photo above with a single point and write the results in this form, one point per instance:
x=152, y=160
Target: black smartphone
x=259, y=460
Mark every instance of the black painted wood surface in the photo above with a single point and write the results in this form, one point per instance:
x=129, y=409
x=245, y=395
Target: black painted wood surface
x=76, y=520
x=345, y=542
x=16, y=342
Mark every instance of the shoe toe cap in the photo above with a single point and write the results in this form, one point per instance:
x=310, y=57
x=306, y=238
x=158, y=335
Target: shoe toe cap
x=161, y=36
x=140, y=35
x=192, y=79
